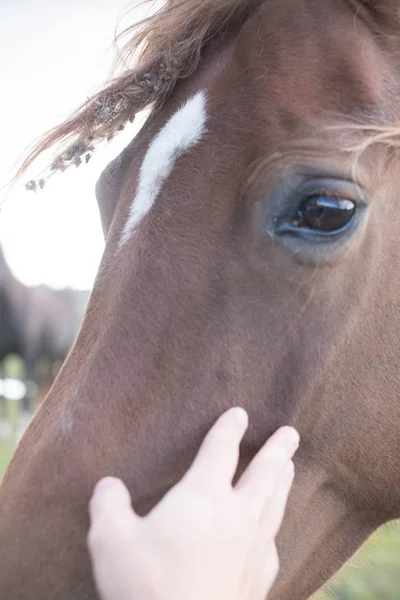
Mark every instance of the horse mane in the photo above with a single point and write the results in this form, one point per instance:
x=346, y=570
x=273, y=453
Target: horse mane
x=160, y=50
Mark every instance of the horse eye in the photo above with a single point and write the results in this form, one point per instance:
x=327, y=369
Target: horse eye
x=325, y=213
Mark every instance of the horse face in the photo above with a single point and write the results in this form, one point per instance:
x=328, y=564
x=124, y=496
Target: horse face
x=248, y=262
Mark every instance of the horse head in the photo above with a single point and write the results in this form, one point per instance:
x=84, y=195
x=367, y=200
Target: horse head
x=251, y=259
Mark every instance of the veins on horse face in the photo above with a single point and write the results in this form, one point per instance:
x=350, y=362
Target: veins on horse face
x=369, y=3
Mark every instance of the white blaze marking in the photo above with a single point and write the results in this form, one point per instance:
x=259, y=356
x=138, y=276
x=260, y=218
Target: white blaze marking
x=181, y=132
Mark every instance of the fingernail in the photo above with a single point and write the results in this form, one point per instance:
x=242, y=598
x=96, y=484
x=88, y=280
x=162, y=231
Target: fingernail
x=240, y=414
x=105, y=483
x=293, y=437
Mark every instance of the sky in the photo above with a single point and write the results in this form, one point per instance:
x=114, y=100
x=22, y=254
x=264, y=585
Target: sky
x=54, y=54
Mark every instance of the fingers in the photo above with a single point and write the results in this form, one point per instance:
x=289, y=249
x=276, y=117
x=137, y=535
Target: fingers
x=112, y=531
x=271, y=522
x=110, y=496
x=267, y=574
x=273, y=513
x=218, y=456
x=260, y=479
x=110, y=513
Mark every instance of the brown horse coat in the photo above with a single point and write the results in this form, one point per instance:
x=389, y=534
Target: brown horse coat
x=224, y=294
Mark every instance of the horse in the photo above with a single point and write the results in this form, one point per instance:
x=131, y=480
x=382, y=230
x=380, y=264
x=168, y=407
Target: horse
x=36, y=322
x=251, y=259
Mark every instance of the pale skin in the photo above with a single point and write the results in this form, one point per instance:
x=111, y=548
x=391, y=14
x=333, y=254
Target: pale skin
x=206, y=538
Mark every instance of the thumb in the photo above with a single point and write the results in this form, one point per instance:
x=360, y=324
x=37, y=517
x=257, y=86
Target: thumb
x=112, y=530
x=109, y=498
x=111, y=515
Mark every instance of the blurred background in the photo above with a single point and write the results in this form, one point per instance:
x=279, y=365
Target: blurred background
x=54, y=55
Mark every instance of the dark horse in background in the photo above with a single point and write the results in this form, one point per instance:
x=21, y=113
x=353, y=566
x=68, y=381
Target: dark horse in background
x=37, y=322
x=252, y=258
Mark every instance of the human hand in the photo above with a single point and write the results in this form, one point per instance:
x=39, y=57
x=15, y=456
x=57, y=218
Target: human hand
x=205, y=539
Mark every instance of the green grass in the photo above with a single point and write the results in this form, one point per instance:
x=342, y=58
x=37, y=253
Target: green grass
x=13, y=367
x=9, y=412
x=6, y=450
x=374, y=574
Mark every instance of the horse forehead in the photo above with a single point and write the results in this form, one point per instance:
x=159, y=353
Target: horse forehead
x=322, y=42
x=274, y=52
x=181, y=132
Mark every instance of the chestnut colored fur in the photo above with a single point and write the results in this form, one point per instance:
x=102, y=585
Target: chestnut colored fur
x=204, y=308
